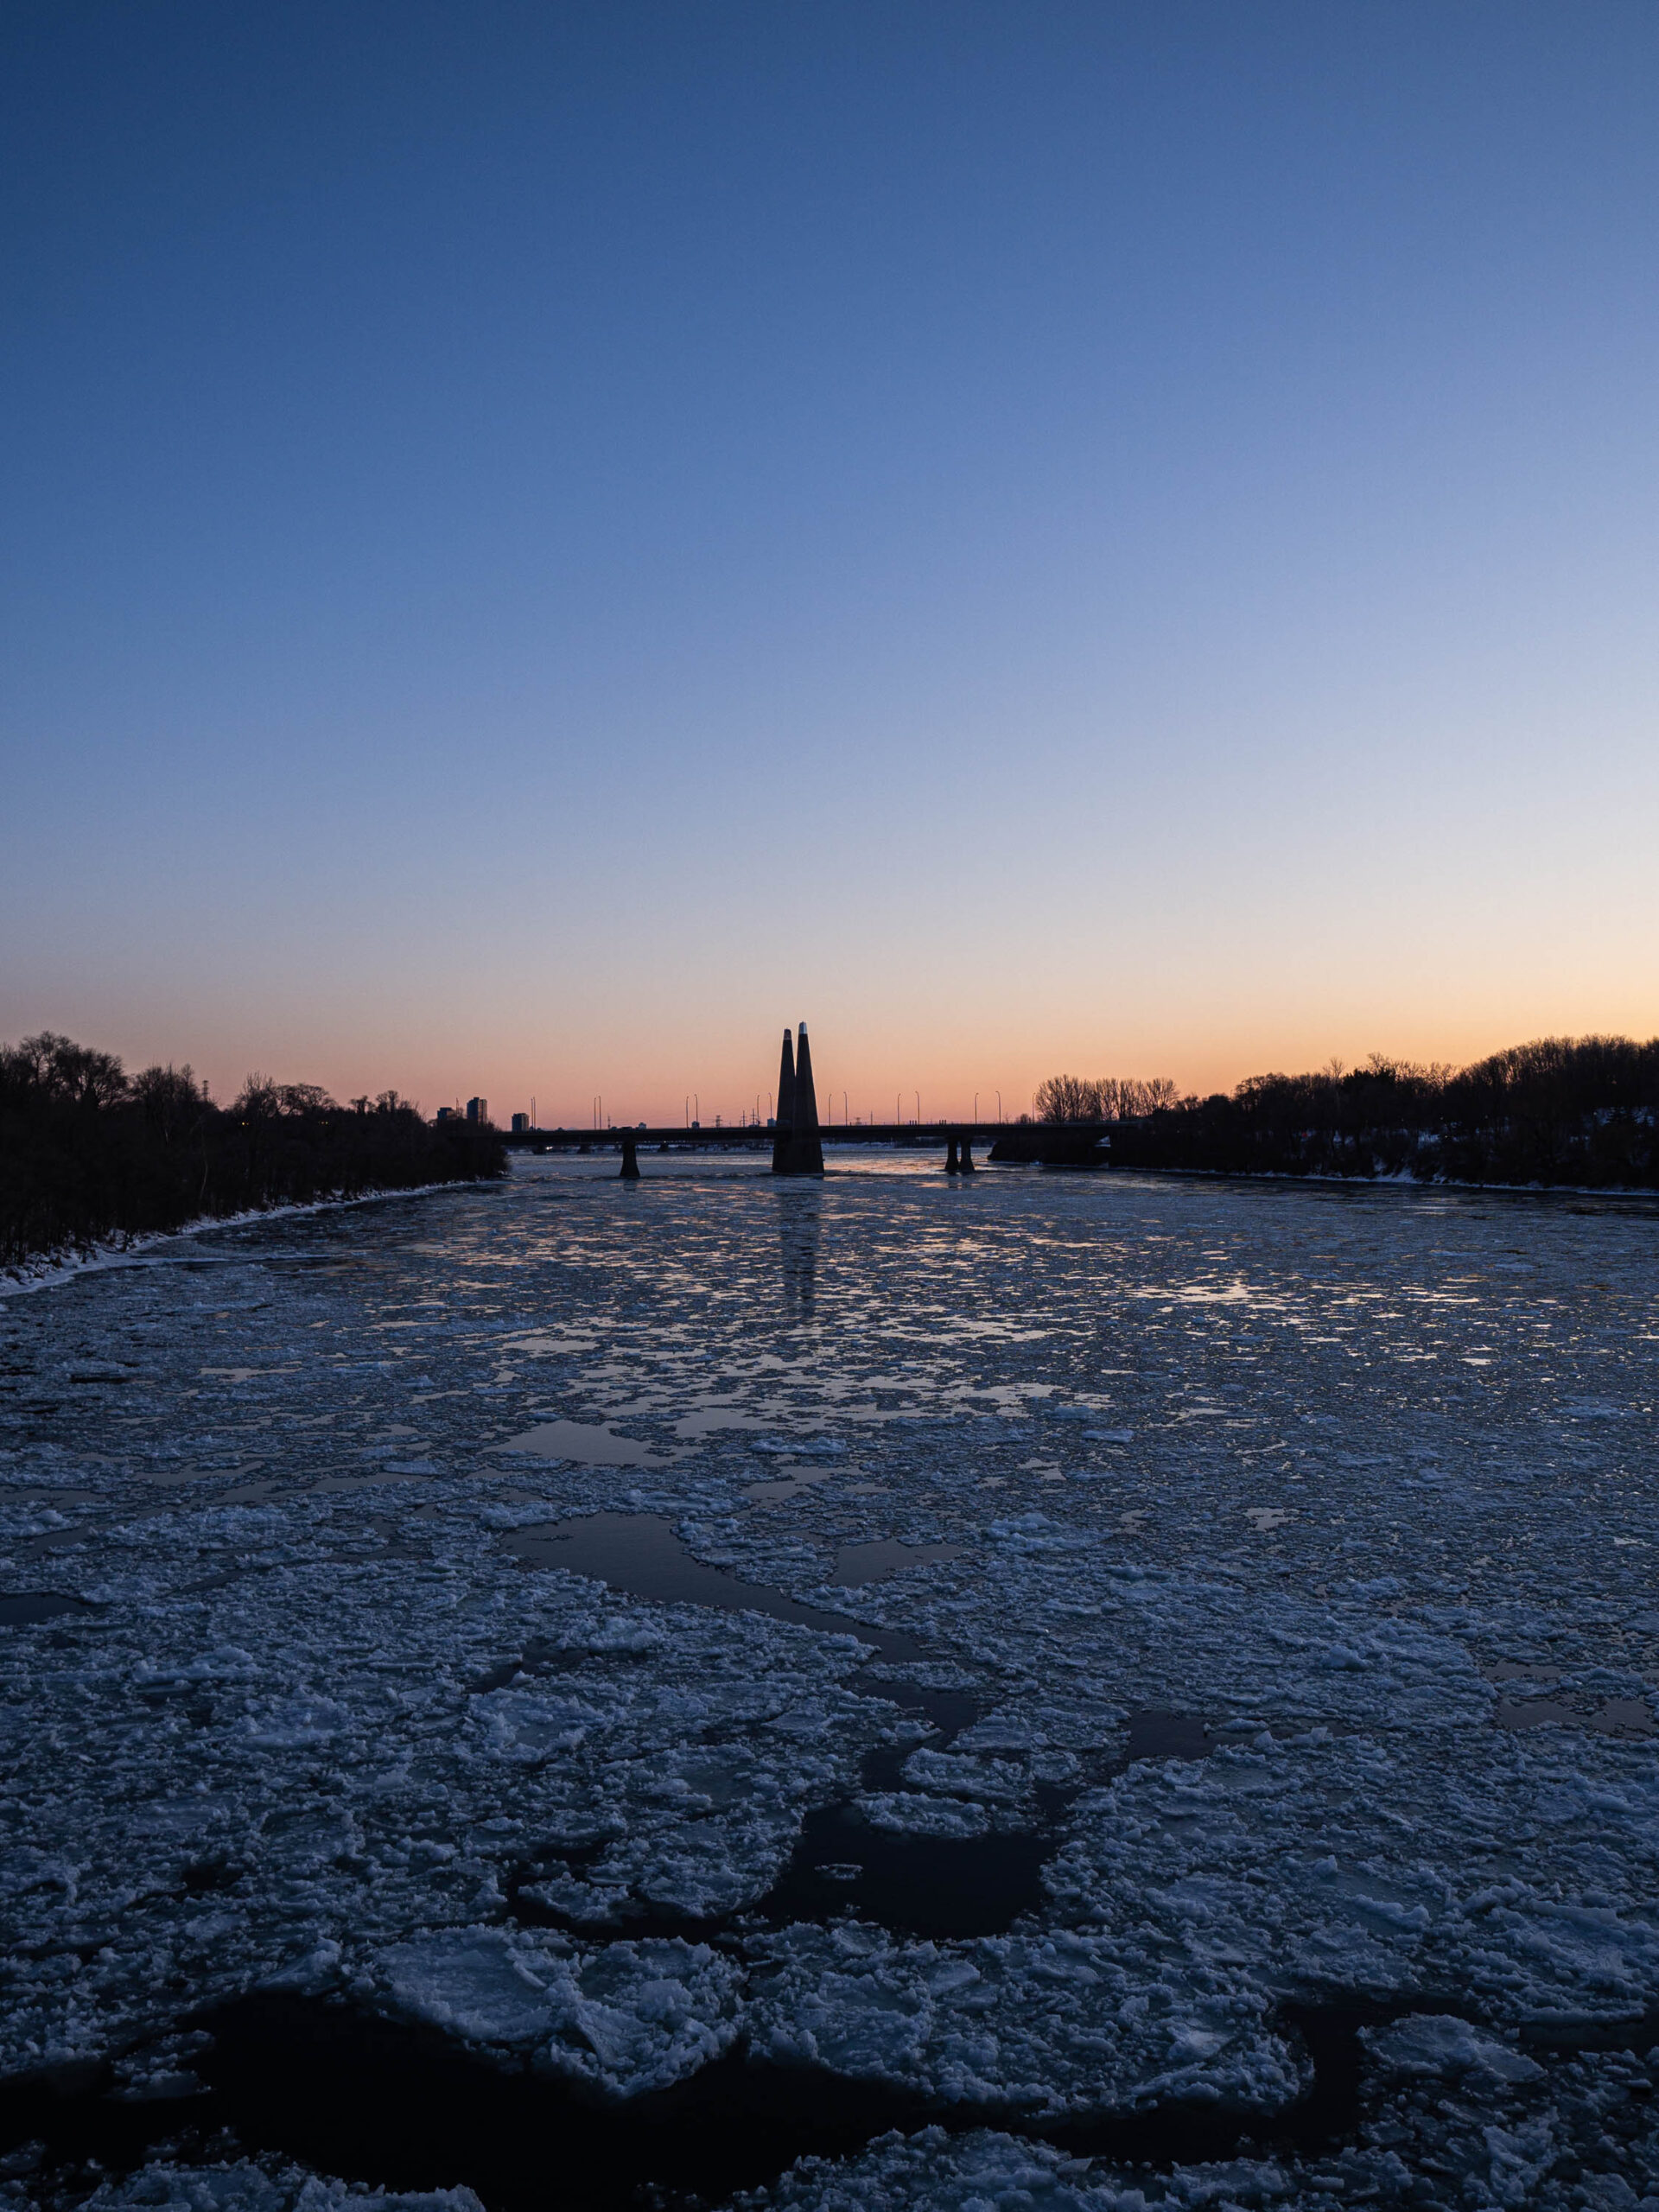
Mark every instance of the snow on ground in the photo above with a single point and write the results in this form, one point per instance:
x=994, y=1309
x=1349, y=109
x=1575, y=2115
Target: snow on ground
x=1361, y=1482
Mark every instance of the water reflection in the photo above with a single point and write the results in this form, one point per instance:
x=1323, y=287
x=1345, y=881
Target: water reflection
x=639, y=1552
x=800, y=1228
x=27, y=1607
x=880, y=1556
x=933, y=1886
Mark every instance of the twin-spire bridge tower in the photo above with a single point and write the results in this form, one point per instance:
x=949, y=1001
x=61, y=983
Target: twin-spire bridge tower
x=797, y=1139
x=797, y=1149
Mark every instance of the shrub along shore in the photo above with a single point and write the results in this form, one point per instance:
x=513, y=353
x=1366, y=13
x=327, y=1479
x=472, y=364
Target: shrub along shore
x=1567, y=1111
x=90, y=1154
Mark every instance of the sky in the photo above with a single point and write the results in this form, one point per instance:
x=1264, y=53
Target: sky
x=540, y=544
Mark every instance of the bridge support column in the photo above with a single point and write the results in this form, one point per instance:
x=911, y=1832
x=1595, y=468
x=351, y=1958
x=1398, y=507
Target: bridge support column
x=951, y=1166
x=966, y=1163
x=796, y=1147
x=630, y=1169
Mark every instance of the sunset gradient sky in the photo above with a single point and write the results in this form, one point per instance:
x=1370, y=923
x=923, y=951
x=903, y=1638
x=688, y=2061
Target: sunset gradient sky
x=541, y=544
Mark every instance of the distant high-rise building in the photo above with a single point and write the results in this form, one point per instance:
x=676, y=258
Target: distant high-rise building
x=448, y=1114
x=520, y=1124
x=478, y=1110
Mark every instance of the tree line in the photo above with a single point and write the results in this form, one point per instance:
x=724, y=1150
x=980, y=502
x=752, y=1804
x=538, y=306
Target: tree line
x=89, y=1153
x=1571, y=1110
x=1101, y=1098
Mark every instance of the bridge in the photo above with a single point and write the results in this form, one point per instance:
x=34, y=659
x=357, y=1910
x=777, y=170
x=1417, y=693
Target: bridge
x=796, y=1138
x=959, y=1139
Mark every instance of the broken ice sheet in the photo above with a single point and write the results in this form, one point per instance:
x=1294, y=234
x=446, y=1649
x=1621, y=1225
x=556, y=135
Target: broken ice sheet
x=424, y=1729
x=1436, y=2044
x=626, y=2017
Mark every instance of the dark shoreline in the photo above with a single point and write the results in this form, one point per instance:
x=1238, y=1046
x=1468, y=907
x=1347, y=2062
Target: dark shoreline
x=1558, y=1114
x=91, y=1157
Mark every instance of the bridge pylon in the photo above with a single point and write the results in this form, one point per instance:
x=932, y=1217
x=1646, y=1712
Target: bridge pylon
x=785, y=1120
x=798, y=1149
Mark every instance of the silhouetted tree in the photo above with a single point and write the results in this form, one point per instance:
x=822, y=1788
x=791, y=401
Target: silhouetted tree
x=1560, y=1110
x=1104, y=1098
x=87, y=1153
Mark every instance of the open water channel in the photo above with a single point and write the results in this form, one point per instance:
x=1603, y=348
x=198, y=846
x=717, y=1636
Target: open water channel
x=1039, y=1689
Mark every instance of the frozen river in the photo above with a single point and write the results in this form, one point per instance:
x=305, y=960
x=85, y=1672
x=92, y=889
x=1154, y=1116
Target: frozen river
x=1144, y=1689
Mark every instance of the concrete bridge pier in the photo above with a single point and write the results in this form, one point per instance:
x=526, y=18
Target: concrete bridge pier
x=629, y=1172
x=784, y=1123
x=796, y=1147
x=951, y=1166
x=966, y=1163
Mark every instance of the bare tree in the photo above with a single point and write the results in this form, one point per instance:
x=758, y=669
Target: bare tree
x=1103, y=1098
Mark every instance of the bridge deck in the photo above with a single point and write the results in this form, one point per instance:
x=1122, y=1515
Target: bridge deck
x=896, y=1132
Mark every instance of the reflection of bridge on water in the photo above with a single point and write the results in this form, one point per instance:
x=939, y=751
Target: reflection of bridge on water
x=795, y=1139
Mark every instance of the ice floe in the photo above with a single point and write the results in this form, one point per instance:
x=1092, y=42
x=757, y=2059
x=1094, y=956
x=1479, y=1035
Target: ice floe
x=1332, y=1684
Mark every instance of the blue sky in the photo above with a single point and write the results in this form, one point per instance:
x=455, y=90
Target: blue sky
x=540, y=544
